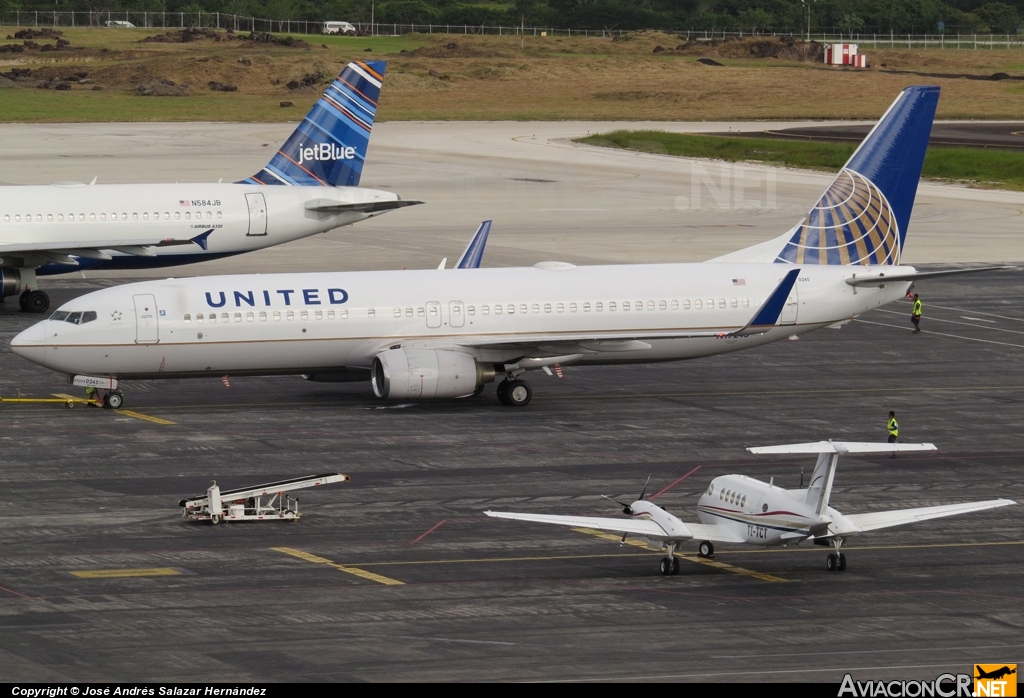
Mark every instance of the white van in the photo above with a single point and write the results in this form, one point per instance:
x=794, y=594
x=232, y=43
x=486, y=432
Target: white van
x=120, y=24
x=339, y=28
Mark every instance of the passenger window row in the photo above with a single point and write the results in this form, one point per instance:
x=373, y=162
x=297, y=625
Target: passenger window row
x=146, y=215
x=497, y=309
x=733, y=497
x=268, y=316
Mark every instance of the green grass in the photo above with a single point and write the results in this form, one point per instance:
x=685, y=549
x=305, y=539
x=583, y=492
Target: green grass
x=39, y=106
x=986, y=167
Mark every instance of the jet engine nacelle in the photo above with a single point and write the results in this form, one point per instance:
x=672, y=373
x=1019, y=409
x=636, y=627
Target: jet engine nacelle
x=10, y=282
x=415, y=374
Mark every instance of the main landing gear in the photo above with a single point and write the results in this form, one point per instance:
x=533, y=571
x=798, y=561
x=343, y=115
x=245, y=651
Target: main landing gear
x=836, y=562
x=113, y=400
x=706, y=549
x=670, y=564
x=34, y=302
x=514, y=392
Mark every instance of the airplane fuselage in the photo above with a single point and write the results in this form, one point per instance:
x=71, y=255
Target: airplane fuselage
x=238, y=218
x=308, y=323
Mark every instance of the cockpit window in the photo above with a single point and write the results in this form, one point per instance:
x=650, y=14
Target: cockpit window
x=74, y=318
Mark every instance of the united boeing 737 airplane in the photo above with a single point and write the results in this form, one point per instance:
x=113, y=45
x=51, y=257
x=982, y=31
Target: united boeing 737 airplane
x=445, y=333
x=61, y=228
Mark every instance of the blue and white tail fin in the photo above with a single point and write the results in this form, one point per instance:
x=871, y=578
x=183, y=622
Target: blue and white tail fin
x=473, y=255
x=862, y=217
x=329, y=146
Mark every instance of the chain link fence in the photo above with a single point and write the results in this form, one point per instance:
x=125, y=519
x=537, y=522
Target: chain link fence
x=220, y=20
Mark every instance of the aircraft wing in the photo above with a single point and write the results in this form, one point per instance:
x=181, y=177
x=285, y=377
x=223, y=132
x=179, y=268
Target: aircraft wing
x=714, y=533
x=899, y=517
x=640, y=527
x=71, y=246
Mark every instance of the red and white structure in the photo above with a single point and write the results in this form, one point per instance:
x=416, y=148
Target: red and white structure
x=845, y=54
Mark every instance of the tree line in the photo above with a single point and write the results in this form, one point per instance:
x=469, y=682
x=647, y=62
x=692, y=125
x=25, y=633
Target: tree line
x=849, y=16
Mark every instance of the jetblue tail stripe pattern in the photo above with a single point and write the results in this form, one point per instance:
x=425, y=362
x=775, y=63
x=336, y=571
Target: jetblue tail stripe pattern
x=862, y=217
x=329, y=146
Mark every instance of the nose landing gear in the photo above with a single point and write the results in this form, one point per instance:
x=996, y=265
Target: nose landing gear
x=670, y=564
x=836, y=562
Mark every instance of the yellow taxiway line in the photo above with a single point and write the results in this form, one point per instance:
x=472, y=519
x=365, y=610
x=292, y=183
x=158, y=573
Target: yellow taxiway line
x=111, y=574
x=316, y=559
x=127, y=413
x=691, y=558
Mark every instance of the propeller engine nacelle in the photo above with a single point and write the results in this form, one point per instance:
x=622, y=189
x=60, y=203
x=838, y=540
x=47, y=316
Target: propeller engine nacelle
x=415, y=374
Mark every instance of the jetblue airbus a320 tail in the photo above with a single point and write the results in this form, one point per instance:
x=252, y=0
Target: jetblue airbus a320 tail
x=438, y=334
x=62, y=228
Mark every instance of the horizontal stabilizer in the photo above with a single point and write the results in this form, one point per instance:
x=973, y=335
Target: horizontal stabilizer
x=842, y=447
x=641, y=527
x=329, y=206
x=881, y=279
x=900, y=517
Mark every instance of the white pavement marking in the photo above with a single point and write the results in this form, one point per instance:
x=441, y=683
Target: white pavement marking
x=943, y=334
x=954, y=322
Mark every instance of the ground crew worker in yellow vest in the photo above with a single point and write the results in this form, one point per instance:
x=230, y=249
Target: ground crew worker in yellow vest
x=915, y=314
x=893, y=427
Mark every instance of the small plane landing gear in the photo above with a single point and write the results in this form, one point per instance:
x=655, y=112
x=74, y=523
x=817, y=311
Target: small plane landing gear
x=670, y=564
x=114, y=400
x=514, y=393
x=34, y=302
x=706, y=549
x=836, y=562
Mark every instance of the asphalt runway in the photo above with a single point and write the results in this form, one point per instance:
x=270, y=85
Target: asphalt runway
x=1001, y=135
x=549, y=198
x=397, y=576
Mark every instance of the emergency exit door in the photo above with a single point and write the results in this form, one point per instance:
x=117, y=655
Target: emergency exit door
x=257, y=214
x=147, y=327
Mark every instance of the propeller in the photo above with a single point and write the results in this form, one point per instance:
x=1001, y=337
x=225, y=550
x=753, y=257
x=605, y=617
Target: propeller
x=644, y=490
x=626, y=509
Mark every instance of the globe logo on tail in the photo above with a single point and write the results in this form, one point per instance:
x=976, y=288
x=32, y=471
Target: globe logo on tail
x=852, y=223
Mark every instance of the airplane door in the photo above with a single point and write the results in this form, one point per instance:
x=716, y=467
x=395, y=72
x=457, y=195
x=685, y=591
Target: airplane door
x=433, y=314
x=147, y=328
x=790, y=310
x=257, y=214
x=456, y=314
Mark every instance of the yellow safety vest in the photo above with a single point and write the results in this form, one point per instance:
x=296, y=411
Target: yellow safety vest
x=894, y=427
x=917, y=308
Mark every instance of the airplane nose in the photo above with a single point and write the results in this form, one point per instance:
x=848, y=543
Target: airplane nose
x=31, y=343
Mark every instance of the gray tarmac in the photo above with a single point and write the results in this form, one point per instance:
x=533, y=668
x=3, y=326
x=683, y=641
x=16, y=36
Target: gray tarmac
x=95, y=491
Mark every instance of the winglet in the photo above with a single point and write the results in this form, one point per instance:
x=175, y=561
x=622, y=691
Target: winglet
x=473, y=255
x=768, y=314
x=203, y=239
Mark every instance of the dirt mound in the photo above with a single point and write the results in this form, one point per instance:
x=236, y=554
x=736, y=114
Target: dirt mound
x=453, y=50
x=268, y=38
x=43, y=33
x=184, y=36
x=163, y=88
x=786, y=48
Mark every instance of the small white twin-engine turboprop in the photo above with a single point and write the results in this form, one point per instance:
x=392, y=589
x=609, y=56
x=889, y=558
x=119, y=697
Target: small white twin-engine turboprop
x=740, y=509
x=61, y=228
